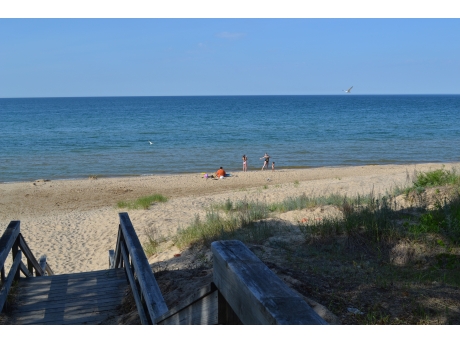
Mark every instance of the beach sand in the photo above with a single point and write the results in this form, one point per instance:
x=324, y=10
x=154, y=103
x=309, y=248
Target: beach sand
x=75, y=222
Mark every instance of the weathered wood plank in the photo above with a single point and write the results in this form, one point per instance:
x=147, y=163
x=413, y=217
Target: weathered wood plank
x=61, y=284
x=85, y=307
x=85, y=301
x=70, y=319
x=152, y=295
x=194, y=310
x=63, y=294
x=15, y=251
x=226, y=315
x=81, y=303
x=30, y=266
x=68, y=283
x=202, y=312
x=76, y=277
x=117, y=259
x=28, y=305
x=7, y=240
x=9, y=279
x=111, y=259
x=45, y=267
x=73, y=288
x=48, y=270
x=25, y=270
x=60, y=288
x=66, y=289
x=254, y=292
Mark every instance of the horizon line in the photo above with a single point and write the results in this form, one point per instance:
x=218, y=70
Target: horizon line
x=243, y=95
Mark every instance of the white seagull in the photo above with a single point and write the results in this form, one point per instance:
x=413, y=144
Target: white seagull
x=349, y=90
x=151, y=142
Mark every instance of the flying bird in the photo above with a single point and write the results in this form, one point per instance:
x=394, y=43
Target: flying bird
x=349, y=90
x=151, y=142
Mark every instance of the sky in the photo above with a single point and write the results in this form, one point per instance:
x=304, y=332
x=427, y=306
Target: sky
x=70, y=54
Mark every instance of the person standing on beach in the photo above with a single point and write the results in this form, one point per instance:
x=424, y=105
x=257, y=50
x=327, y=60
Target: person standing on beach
x=266, y=158
x=273, y=166
x=245, y=163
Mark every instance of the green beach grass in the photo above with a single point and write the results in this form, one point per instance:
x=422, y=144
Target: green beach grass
x=142, y=202
x=387, y=261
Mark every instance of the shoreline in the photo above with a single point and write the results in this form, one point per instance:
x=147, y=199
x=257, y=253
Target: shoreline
x=250, y=169
x=75, y=222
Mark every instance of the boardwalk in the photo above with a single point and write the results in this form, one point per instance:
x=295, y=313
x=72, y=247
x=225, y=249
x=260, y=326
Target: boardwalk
x=79, y=298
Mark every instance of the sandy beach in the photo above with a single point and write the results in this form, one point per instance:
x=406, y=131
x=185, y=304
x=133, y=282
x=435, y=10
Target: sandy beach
x=75, y=222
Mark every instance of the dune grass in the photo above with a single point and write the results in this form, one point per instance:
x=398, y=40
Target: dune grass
x=142, y=202
x=303, y=201
x=153, y=242
x=439, y=177
x=370, y=222
x=375, y=218
x=238, y=221
x=354, y=256
x=242, y=219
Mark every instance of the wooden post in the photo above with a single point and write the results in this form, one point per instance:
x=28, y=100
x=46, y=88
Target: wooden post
x=118, y=258
x=8, y=240
x=254, y=292
x=30, y=266
x=5, y=288
x=42, y=262
x=111, y=259
x=14, y=252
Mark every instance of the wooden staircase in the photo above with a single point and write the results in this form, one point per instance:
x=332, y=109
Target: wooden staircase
x=94, y=297
x=86, y=298
x=244, y=290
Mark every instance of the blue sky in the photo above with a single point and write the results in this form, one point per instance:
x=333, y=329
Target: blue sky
x=157, y=57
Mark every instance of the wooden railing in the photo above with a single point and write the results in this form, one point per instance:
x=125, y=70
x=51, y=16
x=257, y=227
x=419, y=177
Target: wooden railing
x=253, y=293
x=244, y=291
x=12, y=240
x=130, y=255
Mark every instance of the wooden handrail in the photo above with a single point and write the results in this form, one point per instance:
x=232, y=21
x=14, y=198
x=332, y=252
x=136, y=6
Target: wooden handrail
x=7, y=240
x=13, y=241
x=254, y=292
x=130, y=255
x=244, y=289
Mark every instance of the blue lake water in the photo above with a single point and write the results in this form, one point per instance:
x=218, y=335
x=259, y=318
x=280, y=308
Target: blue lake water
x=64, y=138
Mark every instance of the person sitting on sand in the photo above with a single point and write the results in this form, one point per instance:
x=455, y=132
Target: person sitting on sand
x=220, y=173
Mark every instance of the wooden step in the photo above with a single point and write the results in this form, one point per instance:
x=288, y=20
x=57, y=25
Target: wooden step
x=80, y=298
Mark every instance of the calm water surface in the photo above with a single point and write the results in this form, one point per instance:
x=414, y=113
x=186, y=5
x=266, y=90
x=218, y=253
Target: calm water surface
x=60, y=138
